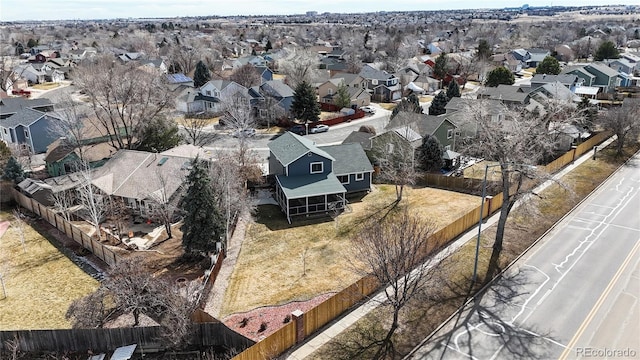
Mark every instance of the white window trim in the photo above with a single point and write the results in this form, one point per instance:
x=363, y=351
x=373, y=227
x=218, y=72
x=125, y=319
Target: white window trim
x=449, y=133
x=315, y=163
x=26, y=133
x=348, y=179
x=359, y=176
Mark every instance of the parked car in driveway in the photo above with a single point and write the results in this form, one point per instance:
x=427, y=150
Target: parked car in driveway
x=368, y=109
x=319, y=128
x=298, y=129
x=245, y=133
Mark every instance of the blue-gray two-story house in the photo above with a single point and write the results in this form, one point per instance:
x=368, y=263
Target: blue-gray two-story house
x=30, y=129
x=316, y=179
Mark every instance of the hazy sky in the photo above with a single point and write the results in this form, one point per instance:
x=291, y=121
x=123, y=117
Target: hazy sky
x=105, y=9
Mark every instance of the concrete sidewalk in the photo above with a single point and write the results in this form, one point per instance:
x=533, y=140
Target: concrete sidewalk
x=321, y=338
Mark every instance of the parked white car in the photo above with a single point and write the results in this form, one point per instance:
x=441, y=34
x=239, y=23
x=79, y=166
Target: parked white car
x=319, y=128
x=369, y=109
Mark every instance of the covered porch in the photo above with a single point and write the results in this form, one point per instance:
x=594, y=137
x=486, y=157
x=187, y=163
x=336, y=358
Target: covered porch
x=304, y=195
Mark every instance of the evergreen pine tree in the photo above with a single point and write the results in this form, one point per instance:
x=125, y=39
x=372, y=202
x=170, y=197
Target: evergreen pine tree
x=160, y=135
x=431, y=153
x=203, y=222
x=440, y=67
x=453, y=90
x=342, y=98
x=438, y=104
x=409, y=104
x=268, y=46
x=304, y=105
x=13, y=171
x=201, y=74
x=549, y=65
x=499, y=75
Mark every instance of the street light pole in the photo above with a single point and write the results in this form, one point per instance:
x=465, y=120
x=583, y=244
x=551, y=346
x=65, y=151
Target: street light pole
x=484, y=195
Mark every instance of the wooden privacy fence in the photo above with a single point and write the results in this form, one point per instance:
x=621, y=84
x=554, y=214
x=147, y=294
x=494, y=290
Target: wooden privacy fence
x=309, y=322
x=147, y=338
x=96, y=247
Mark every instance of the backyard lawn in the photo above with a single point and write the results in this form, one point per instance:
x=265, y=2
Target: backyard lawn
x=40, y=283
x=280, y=262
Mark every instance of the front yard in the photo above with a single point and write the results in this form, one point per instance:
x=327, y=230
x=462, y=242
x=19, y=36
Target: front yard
x=281, y=262
x=40, y=281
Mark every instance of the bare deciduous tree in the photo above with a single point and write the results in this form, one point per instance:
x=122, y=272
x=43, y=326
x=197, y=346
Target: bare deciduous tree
x=130, y=289
x=62, y=202
x=165, y=208
x=623, y=122
x=19, y=224
x=123, y=97
x=396, y=158
x=517, y=140
x=391, y=250
x=299, y=66
x=94, y=204
x=246, y=75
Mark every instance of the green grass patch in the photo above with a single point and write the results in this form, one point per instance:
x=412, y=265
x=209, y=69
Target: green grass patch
x=40, y=283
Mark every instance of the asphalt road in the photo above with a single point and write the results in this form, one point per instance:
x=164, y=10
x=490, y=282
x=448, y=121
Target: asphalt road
x=335, y=135
x=574, y=295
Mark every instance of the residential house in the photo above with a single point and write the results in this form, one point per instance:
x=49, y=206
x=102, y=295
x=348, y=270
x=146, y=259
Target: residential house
x=507, y=94
x=312, y=179
x=596, y=74
x=176, y=80
x=457, y=113
x=555, y=91
x=521, y=55
x=440, y=127
x=142, y=178
x=280, y=92
x=565, y=53
x=264, y=73
x=157, y=64
x=92, y=147
x=10, y=106
x=508, y=60
x=536, y=56
x=29, y=129
x=383, y=86
x=356, y=86
x=570, y=81
x=625, y=70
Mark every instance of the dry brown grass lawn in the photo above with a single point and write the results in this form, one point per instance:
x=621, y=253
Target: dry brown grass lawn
x=448, y=287
x=388, y=106
x=270, y=269
x=46, y=86
x=208, y=122
x=40, y=284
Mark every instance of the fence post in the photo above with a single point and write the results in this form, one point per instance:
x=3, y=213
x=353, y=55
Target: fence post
x=298, y=319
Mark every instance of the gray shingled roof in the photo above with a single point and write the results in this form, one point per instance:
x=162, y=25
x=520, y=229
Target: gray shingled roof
x=280, y=88
x=24, y=117
x=369, y=72
x=359, y=137
x=13, y=105
x=505, y=93
x=295, y=187
x=350, y=158
x=137, y=174
x=289, y=147
x=603, y=69
x=564, y=79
